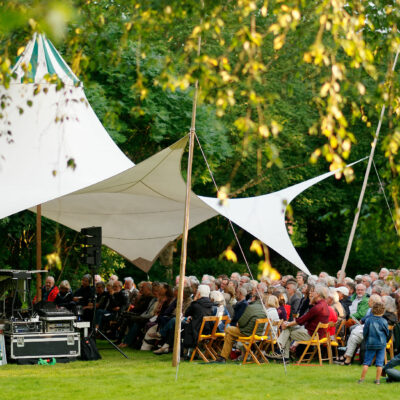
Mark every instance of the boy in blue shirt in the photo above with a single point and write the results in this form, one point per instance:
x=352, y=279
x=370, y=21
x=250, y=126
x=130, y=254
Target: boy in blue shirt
x=376, y=334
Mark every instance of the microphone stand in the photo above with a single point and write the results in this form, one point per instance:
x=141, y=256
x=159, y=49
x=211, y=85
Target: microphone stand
x=96, y=330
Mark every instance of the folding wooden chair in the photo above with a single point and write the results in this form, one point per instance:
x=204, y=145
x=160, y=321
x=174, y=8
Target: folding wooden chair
x=250, y=342
x=316, y=342
x=206, y=340
x=218, y=337
x=268, y=340
x=389, y=345
x=338, y=339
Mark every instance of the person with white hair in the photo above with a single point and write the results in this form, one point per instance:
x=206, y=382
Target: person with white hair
x=359, y=305
x=200, y=307
x=343, y=293
x=374, y=276
x=235, y=276
x=383, y=273
x=130, y=289
x=367, y=281
x=333, y=301
x=49, y=290
x=390, y=310
x=219, y=308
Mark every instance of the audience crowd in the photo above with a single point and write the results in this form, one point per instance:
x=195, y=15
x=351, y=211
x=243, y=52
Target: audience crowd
x=366, y=309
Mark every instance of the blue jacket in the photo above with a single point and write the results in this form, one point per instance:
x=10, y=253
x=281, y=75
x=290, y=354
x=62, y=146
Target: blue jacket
x=376, y=333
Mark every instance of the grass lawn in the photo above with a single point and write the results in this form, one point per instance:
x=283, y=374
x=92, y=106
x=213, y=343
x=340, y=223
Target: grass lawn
x=146, y=376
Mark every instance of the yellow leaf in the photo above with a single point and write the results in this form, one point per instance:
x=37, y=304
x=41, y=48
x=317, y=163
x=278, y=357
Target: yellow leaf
x=256, y=246
x=230, y=255
x=20, y=51
x=264, y=131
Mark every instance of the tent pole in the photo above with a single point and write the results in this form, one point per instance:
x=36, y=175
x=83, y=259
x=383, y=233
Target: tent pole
x=182, y=269
x=360, y=200
x=39, y=251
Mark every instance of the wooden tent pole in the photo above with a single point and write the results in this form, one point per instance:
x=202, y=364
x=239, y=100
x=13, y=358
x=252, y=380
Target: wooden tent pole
x=360, y=200
x=39, y=251
x=182, y=269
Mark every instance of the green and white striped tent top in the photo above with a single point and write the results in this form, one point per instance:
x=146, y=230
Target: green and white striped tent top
x=44, y=60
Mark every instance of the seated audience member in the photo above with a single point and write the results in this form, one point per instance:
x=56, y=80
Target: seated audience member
x=343, y=293
x=383, y=274
x=200, y=307
x=138, y=322
x=390, y=310
x=245, y=327
x=303, y=327
x=233, y=284
x=283, y=309
x=294, y=298
x=304, y=305
x=367, y=282
x=243, y=280
x=359, y=305
x=356, y=335
x=118, y=303
x=130, y=289
x=167, y=332
x=240, y=306
x=84, y=294
x=140, y=306
x=49, y=290
x=64, y=296
x=219, y=308
x=301, y=279
x=235, y=276
x=333, y=301
x=230, y=298
x=351, y=287
x=165, y=306
x=224, y=283
x=333, y=317
x=272, y=304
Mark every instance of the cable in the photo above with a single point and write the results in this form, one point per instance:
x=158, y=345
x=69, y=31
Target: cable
x=384, y=195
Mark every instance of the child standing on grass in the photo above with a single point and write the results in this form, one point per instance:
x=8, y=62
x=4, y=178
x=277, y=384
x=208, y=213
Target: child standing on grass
x=376, y=335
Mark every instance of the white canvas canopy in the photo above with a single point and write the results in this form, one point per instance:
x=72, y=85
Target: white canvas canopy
x=264, y=216
x=140, y=208
x=44, y=128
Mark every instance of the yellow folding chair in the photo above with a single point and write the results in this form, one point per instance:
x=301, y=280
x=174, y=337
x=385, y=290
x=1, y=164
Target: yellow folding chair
x=389, y=345
x=218, y=337
x=338, y=339
x=206, y=340
x=251, y=342
x=316, y=343
x=268, y=340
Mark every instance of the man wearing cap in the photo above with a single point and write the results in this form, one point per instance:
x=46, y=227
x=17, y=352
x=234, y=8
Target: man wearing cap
x=344, y=300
